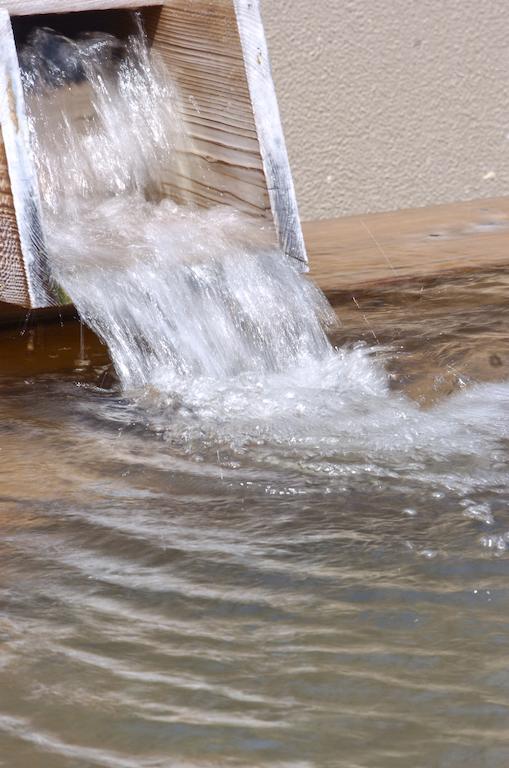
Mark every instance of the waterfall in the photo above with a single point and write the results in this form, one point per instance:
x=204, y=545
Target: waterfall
x=177, y=292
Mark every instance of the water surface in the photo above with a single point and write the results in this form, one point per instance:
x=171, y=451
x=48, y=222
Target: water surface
x=335, y=598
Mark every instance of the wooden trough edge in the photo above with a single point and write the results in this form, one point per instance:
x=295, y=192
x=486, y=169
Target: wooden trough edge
x=345, y=260
x=414, y=246
x=22, y=173
x=270, y=130
x=257, y=97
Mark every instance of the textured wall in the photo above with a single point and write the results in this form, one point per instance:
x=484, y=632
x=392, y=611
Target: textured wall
x=392, y=103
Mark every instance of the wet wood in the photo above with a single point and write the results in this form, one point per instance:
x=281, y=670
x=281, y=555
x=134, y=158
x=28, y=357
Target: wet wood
x=408, y=246
x=216, y=52
x=236, y=155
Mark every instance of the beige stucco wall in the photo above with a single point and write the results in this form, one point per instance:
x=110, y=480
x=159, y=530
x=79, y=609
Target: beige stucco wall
x=392, y=103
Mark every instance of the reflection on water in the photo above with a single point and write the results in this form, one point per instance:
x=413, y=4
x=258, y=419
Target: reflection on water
x=334, y=594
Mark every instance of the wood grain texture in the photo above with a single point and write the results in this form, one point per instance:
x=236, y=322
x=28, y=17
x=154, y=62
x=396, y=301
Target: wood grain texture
x=32, y=7
x=419, y=245
x=216, y=52
x=269, y=129
x=199, y=43
x=22, y=174
x=13, y=282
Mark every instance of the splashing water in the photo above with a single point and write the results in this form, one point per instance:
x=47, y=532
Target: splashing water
x=103, y=120
x=210, y=328
x=176, y=292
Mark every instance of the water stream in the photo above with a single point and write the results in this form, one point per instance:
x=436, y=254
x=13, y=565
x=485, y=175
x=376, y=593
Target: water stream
x=178, y=293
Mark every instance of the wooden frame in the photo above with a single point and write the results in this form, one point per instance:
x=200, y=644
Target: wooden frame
x=217, y=54
x=24, y=263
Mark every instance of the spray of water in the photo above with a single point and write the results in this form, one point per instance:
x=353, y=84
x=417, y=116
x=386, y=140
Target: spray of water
x=175, y=291
x=211, y=330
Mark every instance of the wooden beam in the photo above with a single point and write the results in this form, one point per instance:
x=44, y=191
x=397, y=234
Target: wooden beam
x=269, y=129
x=423, y=245
x=24, y=188
x=408, y=246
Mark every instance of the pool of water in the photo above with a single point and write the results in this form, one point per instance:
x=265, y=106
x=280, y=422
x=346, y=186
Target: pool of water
x=331, y=592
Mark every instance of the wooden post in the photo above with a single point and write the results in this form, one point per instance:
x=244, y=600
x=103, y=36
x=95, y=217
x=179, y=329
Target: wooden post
x=217, y=54
x=25, y=253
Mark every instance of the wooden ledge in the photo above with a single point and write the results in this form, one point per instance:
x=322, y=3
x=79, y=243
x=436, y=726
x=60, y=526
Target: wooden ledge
x=379, y=250
x=410, y=245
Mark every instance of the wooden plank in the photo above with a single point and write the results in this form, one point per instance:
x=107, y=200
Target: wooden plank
x=22, y=173
x=199, y=43
x=424, y=245
x=409, y=245
x=216, y=52
x=13, y=282
x=33, y=7
x=269, y=129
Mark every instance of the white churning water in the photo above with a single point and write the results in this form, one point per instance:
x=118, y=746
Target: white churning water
x=210, y=328
x=174, y=290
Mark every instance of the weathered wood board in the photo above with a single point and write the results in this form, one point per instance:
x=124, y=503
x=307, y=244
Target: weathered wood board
x=21, y=188
x=411, y=246
x=236, y=156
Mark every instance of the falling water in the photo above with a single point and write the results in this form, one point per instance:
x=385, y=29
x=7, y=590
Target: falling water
x=176, y=292
x=204, y=318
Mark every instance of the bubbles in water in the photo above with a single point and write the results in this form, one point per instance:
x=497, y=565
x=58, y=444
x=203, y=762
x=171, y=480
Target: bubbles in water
x=103, y=120
x=177, y=293
x=215, y=336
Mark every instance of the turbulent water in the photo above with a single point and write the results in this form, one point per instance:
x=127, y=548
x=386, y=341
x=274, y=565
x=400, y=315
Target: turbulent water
x=217, y=340
x=178, y=293
x=326, y=585
x=211, y=329
x=251, y=551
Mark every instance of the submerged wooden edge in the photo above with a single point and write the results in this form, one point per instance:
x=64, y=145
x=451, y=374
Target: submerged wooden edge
x=269, y=129
x=21, y=166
